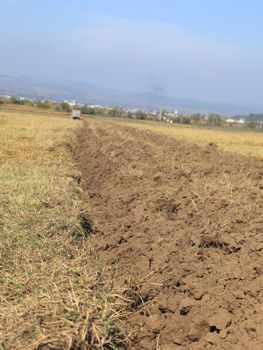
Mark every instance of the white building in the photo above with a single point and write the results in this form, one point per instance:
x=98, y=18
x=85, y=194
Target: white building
x=235, y=121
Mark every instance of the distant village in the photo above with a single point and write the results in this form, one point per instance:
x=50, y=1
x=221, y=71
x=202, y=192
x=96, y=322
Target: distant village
x=252, y=121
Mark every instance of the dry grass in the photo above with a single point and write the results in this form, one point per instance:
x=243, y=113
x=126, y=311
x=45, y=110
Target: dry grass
x=54, y=293
x=237, y=141
x=33, y=110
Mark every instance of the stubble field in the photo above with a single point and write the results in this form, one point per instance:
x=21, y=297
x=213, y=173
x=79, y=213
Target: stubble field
x=54, y=291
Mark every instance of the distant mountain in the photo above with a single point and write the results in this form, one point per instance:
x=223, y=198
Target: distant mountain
x=87, y=93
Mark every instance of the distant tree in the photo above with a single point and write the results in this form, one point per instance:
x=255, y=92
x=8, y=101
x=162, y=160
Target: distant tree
x=215, y=119
x=44, y=104
x=182, y=119
x=239, y=116
x=197, y=118
x=14, y=101
x=252, y=124
x=21, y=101
x=177, y=119
x=186, y=120
x=28, y=103
x=65, y=107
x=140, y=115
x=257, y=117
x=88, y=110
x=115, y=112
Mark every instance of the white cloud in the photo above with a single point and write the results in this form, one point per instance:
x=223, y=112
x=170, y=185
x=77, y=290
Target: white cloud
x=124, y=51
x=151, y=37
x=133, y=55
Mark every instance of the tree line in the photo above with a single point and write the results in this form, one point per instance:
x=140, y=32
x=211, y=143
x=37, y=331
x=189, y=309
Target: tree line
x=253, y=121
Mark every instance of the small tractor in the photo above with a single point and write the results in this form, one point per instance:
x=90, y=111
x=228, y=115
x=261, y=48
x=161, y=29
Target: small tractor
x=76, y=114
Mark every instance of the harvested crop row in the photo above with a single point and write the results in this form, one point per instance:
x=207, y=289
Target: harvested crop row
x=189, y=221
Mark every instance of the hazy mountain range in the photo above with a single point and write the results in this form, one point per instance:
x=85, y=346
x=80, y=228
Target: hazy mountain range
x=90, y=94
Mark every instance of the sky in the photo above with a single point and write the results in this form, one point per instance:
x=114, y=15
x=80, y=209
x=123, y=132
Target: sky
x=209, y=50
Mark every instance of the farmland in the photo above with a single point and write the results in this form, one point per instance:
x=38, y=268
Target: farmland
x=186, y=218
x=239, y=141
x=133, y=235
x=236, y=141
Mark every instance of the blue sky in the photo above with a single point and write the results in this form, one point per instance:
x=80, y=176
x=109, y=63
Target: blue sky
x=209, y=50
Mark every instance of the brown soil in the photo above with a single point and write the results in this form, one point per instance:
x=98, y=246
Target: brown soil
x=188, y=218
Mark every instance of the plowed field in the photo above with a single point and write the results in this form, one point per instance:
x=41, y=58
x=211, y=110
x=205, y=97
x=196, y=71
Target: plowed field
x=187, y=219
